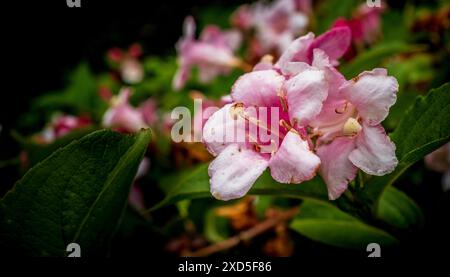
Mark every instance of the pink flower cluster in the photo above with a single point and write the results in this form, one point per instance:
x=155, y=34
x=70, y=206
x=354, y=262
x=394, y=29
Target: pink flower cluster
x=324, y=123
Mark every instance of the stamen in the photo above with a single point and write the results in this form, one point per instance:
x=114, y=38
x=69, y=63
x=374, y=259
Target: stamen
x=351, y=127
x=272, y=148
x=287, y=126
x=283, y=102
x=237, y=110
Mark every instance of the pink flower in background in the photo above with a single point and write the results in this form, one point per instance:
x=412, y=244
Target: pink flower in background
x=212, y=53
x=124, y=117
x=129, y=66
x=365, y=24
x=439, y=161
x=61, y=125
x=136, y=196
x=350, y=135
x=276, y=25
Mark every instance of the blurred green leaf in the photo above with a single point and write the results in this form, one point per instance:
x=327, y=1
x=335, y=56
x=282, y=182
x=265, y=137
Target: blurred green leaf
x=216, y=228
x=75, y=195
x=328, y=11
x=373, y=57
x=80, y=96
x=398, y=210
x=196, y=185
x=323, y=222
x=424, y=128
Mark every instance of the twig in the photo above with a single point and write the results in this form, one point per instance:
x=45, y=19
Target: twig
x=245, y=235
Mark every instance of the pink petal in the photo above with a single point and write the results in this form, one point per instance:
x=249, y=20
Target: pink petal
x=336, y=169
x=234, y=171
x=181, y=77
x=335, y=43
x=375, y=152
x=439, y=160
x=334, y=78
x=294, y=162
x=222, y=129
x=296, y=52
x=189, y=28
x=373, y=93
x=305, y=93
x=258, y=88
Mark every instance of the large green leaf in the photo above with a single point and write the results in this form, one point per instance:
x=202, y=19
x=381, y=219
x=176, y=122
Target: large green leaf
x=424, y=128
x=398, y=210
x=373, y=57
x=75, y=195
x=196, y=185
x=323, y=222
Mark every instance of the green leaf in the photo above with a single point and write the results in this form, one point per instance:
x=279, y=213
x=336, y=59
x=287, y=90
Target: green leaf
x=216, y=228
x=373, y=57
x=423, y=129
x=323, y=222
x=398, y=210
x=75, y=195
x=80, y=96
x=196, y=185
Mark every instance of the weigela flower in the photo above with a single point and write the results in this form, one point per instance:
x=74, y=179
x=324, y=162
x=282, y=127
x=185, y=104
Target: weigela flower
x=365, y=24
x=321, y=121
x=124, y=117
x=350, y=135
x=276, y=25
x=61, y=125
x=129, y=66
x=212, y=53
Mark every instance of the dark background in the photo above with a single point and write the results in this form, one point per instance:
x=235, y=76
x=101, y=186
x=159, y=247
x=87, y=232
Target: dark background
x=43, y=40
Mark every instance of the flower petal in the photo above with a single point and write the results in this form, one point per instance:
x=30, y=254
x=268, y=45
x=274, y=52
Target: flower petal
x=305, y=93
x=334, y=43
x=294, y=162
x=234, y=171
x=222, y=129
x=375, y=152
x=373, y=93
x=336, y=169
x=258, y=88
x=296, y=52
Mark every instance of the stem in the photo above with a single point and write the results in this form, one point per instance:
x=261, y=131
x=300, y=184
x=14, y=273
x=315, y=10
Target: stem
x=245, y=235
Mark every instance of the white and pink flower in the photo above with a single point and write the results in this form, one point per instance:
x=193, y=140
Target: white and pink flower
x=212, y=53
x=61, y=125
x=317, y=121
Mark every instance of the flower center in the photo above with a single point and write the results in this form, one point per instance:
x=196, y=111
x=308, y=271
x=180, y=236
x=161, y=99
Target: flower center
x=270, y=129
